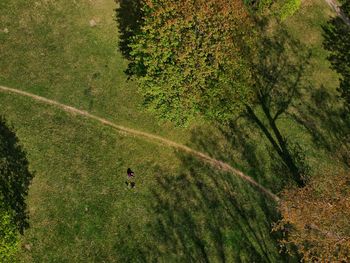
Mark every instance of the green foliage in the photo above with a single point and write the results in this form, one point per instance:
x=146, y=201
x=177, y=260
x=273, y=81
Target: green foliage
x=259, y=5
x=279, y=8
x=190, y=58
x=288, y=8
x=337, y=42
x=8, y=236
x=300, y=160
x=345, y=7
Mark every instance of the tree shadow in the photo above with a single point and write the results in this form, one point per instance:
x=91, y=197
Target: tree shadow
x=128, y=248
x=129, y=17
x=239, y=144
x=15, y=177
x=327, y=121
x=207, y=216
x=279, y=76
x=278, y=80
x=327, y=117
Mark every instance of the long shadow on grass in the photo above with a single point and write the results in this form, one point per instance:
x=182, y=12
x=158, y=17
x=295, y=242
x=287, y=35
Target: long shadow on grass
x=129, y=19
x=327, y=121
x=255, y=141
x=207, y=216
x=15, y=177
x=324, y=116
x=239, y=143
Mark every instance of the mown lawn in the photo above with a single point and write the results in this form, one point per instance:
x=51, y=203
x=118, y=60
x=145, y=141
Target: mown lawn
x=80, y=209
x=51, y=50
x=180, y=210
x=79, y=204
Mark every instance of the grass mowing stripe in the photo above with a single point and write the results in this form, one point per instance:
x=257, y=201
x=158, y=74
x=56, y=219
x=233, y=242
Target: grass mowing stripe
x=213, y=162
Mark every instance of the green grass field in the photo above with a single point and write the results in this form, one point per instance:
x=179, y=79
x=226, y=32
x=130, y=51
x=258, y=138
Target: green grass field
x=181, y=210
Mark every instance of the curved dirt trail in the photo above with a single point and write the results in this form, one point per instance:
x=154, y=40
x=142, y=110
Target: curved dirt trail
x=205, y=158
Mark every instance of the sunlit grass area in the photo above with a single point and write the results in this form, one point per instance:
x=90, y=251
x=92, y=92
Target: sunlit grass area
x=68, y=51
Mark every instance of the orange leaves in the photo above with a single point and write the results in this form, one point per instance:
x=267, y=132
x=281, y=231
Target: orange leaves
x=320, y=218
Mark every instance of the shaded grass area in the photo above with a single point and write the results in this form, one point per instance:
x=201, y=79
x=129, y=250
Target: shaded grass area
x=222, y=219
x=315, y=119
x=318, y=112
x=79, y=204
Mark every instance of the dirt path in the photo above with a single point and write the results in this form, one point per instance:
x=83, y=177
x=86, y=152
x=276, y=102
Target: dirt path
x=205, y=158
x=335, y=6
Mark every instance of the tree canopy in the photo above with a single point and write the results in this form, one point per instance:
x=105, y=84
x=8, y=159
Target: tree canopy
x=14, y=182
x=337, y=41
x=213, y=59
x=316, y=218
x=190, y=58
x=14, y=175
x=286, y=8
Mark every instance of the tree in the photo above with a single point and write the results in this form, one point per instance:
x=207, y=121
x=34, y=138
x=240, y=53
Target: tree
x=315, y=218
x=279, y=8
x=14, y=182
x=8, y=236
x=337, y=42
x=190, y=58
x=205, y=58
x=15, y=177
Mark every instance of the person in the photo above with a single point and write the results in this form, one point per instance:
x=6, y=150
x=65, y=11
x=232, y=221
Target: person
x=130, y=181
x=130, y=173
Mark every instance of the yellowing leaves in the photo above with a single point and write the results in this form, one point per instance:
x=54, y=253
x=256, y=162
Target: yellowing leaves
x=319, y=217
